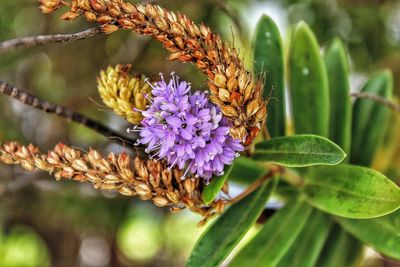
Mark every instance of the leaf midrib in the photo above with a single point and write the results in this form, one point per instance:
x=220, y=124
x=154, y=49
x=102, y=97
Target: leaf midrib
x=291, y=152
x=351, y=192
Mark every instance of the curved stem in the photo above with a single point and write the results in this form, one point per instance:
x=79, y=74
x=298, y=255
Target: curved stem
x=256, y=184
x=31, y=100
x=381, y=100
x=9, y=45
x=234, y=16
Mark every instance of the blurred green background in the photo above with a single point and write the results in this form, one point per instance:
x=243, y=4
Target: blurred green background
x=44, y=223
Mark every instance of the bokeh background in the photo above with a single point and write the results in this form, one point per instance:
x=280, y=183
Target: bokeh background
x=48, y=223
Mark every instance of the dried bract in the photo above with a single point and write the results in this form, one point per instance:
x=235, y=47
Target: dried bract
x=234, y=88
x=147, y=180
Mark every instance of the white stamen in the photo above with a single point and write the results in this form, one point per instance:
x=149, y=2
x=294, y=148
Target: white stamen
x=186, y=171
x=134, y=129
x=148, y=98
x=175, y=79
x=173, y=163
x=155, y=147
x=154, y=155
x=149, y=83
x=137, y=110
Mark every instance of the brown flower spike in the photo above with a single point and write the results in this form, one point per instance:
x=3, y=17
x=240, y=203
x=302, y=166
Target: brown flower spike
x=147, y=180
x=233, y=88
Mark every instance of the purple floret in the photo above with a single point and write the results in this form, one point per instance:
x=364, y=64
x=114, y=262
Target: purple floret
x=187, y=130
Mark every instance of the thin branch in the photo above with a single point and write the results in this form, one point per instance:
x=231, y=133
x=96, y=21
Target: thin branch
x=47, y=39
x=31, y=100
x=256, y=184
x=235, y=17
x=381, y=100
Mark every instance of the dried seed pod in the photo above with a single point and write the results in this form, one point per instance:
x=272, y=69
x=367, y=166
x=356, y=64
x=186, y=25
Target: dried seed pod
x=160, y=201
x=233, y=88
x=48, y=6
x=69, y=15
x=115, y=172
x=109, y=28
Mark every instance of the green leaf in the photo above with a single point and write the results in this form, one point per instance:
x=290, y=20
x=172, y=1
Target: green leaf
x=246, y=171
x=285, y=190
x=308, y=84
x=370, y=119
x=340, y=249
x=305, y=250
x=226, y=232
x=339, y=92
x=299, y=151
x=383, y=234
x=275, y=238
x=268, y=60
x=351, y=191
x=211, y=190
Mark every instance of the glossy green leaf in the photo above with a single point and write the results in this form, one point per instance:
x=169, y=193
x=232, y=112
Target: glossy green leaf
x=340, y=249
x=370, y=119
x=226, y=232
x=308, y=84
x=299, y=151
x=305, y=250
x=268, y=60
x=275, y=238
x=351, y=191
x=339, y=92
x=211, y=190
x=383, y=234
x=246, y=171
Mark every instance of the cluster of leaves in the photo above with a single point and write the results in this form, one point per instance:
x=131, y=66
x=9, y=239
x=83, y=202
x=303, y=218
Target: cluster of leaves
x=330, y=211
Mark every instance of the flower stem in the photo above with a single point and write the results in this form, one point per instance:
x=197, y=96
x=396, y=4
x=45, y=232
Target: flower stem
x=256, y=184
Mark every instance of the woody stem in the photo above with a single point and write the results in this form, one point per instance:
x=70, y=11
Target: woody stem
x=61, y=111
x=9, y=45
x=256, y=184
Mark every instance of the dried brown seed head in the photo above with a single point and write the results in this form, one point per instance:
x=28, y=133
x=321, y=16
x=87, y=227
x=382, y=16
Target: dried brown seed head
x=187, y=42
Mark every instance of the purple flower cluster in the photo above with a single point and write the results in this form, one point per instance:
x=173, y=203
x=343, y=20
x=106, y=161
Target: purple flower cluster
x=187, y=130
